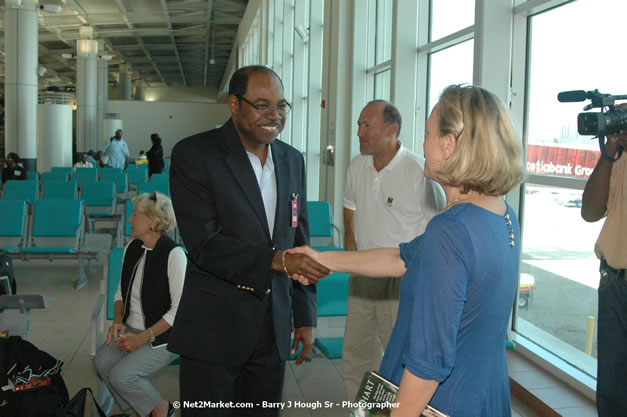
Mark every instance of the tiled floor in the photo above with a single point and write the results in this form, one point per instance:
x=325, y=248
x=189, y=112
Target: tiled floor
x=63, y=331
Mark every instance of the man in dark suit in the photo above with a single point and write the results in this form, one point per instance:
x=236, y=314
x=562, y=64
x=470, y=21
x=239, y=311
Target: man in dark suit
x=240, y=202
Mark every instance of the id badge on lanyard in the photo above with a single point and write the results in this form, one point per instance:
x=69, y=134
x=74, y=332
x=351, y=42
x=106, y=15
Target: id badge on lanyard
x=294, y=199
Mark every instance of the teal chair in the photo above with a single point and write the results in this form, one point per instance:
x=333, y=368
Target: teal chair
x=21, y=190
x=60, y=190
x=118, y=177
x=136, y=175
x=32, y=175
x=331, y=301
x=54, y=176
x=63, y=170
x=321, y=224
x=103, y=312
x=150, y=187
x=56, y=227
x=85, y=175
x=160, y=178
x=13, y=225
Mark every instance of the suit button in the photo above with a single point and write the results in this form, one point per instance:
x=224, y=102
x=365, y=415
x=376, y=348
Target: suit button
x=268, y=291
x=273, y=248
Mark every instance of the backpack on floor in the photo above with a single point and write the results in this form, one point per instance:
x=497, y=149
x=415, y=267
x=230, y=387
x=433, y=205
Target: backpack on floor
x=24, y=364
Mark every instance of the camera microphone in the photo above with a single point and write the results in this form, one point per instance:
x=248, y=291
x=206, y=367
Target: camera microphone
x=572, y=96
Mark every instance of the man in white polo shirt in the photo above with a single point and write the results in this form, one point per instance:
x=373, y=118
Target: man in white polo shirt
x=387, y=200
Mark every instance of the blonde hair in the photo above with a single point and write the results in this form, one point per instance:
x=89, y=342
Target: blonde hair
x=158, y=207
x=488, y=157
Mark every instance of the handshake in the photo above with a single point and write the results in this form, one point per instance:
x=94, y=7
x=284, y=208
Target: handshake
x=302, y=264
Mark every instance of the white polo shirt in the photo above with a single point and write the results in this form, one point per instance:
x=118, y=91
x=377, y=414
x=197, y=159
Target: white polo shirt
x=393, y=205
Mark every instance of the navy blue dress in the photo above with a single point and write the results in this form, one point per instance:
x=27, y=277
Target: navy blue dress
x=456, y=299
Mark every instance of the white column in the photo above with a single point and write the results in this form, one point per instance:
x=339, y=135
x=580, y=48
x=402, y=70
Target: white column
x=125, y=83
x=337, y=115
x=405, y=68
x=20, y=79
x=86, y=90
x=55, y=136
x=102, y=95
x=140, y=91
x=493, y=41
x=494, y=28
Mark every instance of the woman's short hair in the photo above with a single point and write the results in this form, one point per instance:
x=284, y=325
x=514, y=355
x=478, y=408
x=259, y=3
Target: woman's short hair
x=488, y=156
x=158, y=207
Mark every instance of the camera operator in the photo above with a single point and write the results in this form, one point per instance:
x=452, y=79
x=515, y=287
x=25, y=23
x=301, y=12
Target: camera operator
x=605, y=195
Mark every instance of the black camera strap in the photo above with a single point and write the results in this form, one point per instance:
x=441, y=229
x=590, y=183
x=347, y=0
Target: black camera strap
x=619, y=151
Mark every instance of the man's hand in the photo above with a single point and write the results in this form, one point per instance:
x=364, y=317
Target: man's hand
x=301, y=266
x=313, y=254
x=613, y=141
x=305, y=336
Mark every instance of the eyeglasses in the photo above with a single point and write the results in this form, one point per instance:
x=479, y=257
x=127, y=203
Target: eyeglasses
x=264, y=109
x=153, y=196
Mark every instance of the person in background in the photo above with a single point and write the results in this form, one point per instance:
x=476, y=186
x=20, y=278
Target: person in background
x=116, y=151
x=83, y=163
x=460, y=277
x=102, y=159
x=141, y=159
x=92, y=158
x=155, y=155
x=605, y=195
x=13, y=168
x=146, y=301
x=387, y=200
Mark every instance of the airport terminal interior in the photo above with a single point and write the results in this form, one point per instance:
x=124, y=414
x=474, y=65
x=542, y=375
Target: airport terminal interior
x=77, y=70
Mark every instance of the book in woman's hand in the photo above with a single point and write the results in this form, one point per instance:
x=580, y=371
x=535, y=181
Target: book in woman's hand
x=377, y=397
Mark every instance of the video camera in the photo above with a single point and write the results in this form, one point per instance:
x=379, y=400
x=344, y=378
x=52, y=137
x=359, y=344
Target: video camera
x=600, y=124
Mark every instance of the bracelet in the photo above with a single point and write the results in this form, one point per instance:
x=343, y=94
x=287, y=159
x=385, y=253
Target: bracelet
x=152, y=335
x=283, y=262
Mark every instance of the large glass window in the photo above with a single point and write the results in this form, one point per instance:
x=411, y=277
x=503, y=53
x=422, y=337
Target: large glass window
x=449, y=66
x=383, y=47
x=382, y=85
x=449, y=16
x=557, y=255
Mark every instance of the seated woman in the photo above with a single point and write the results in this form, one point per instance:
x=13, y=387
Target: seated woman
x=145, y=304
x=448, y=345
x=13, y=170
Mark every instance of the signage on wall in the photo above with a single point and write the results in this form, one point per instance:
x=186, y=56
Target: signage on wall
x=561, y=161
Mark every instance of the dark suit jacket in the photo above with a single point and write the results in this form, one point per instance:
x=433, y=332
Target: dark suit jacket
x=222, y=220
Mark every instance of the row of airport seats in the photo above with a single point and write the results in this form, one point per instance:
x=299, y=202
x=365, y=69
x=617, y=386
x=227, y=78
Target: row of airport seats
x=50, y=229
x=31, y=190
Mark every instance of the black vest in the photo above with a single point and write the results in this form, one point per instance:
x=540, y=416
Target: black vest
x=155, y=288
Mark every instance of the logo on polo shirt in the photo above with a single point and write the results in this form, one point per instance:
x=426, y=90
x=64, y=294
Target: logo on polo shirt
x=389, y=202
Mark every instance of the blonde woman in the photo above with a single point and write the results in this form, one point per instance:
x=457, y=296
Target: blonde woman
x=153, y=271
x=460, y=276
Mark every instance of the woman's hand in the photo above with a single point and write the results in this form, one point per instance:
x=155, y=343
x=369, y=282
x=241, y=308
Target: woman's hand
x=114, y=333
x=130, y=342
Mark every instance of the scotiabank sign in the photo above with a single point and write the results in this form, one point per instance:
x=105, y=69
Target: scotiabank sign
x=563, y=162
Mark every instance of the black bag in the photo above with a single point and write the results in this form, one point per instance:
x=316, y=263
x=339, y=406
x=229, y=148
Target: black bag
x=76, y=406
x=20, y=361
x=6, y=269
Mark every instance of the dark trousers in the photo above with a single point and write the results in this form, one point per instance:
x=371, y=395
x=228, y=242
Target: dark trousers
x=612, y=343
x=211, y=389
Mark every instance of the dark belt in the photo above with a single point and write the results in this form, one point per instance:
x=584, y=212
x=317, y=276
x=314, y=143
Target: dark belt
x=617, y=272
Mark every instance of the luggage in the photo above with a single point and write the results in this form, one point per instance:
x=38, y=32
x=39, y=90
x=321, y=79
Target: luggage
x=76, y=406
x=6, y=269
x=39, y=389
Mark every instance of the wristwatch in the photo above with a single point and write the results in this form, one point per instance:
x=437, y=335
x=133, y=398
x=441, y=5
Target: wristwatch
x=152, y=335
